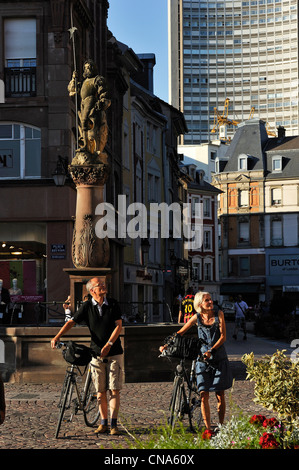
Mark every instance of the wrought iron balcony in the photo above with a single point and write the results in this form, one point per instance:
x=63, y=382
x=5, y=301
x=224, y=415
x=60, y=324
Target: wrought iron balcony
x=20, y=81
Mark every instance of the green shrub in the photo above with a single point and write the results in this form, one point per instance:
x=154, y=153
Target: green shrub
x=276, y=386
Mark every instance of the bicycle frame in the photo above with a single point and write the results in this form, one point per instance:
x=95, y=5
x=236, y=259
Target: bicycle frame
x=85, y=399
x=185, y=401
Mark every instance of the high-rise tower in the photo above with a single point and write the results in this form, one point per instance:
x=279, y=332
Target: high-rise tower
x=246, y=51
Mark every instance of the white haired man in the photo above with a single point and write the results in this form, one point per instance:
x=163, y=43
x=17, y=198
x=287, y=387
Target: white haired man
x=103, y=318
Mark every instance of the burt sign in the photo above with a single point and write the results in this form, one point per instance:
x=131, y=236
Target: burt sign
x=284, y=264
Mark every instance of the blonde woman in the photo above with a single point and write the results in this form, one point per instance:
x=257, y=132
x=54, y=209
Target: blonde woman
x=218, y=377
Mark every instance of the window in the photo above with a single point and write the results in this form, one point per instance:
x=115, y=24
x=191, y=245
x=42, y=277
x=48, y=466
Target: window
x=153, y=188
x=243, y=198
x=244, y=230
x=244, y=269
x=194, y=206
x=275, y=196
x=276, y=231
x=138, y=182
x=153, y=181
x=20, y=57
x=207, y=240
x=126, y=146
x=20, y=151
x=206, y=207
x=196, y=270
x=277, y=163
x=242, y=162
x=207, y=270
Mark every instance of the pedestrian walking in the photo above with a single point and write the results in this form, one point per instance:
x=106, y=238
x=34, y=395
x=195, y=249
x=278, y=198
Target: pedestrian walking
x=103, y=318
x=241, y=309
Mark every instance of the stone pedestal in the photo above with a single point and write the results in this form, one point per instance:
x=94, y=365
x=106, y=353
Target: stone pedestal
x=79, y=278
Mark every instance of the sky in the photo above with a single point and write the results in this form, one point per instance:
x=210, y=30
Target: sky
x=142, y=25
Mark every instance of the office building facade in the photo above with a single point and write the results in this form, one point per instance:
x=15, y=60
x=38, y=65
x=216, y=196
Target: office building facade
x=246, y=51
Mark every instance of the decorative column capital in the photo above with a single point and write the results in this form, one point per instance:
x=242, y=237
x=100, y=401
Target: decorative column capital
x=95, y=175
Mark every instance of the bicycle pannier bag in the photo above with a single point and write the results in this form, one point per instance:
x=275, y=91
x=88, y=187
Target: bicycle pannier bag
x=183, y=348
x=77, y=354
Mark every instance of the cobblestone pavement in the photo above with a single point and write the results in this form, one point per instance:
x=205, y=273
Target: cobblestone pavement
x=32, y=415
x=32, y=411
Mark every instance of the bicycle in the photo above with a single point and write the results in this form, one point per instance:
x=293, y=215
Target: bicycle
x=85, y=399
x=185, y=398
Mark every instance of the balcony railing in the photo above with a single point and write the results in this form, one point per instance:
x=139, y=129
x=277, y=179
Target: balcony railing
x=20, y=81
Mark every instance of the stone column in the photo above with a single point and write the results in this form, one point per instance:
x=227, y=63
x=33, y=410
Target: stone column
x=88, y=250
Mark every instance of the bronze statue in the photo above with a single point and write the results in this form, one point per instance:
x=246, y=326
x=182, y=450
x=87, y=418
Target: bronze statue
x=93, y=126
x=90, y=168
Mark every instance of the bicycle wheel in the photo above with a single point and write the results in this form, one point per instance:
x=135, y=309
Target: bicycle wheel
x=195, y=413
x=91, y=409
x=176, y=409
x=65, y=400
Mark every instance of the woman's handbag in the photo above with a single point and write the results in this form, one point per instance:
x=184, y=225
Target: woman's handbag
x=183, y=347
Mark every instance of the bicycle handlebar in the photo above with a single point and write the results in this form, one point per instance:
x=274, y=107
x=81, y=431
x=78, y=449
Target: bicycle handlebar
x=169, y=341
x=60, y=344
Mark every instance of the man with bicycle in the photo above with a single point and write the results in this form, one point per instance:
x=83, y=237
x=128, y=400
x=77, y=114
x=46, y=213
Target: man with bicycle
x=103, y=317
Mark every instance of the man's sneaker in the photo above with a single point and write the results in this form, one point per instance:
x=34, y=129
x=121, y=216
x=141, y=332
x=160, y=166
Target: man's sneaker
x=101, y=429
x=114, y=431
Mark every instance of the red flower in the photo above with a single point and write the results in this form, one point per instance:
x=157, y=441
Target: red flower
x=268, y=441
x=257, y=419
x=271, y=422
x=207, y=434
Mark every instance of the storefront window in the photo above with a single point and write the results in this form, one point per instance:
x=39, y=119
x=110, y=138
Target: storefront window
x=22, y=270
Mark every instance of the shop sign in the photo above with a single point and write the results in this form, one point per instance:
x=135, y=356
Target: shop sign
x=26, y=298
x=183, y=271
x=58, y=251
x=284, y=264
x=290, y=288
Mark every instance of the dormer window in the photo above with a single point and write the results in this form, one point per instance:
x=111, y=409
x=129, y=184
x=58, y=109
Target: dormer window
x=242, y=162
x=277, y=163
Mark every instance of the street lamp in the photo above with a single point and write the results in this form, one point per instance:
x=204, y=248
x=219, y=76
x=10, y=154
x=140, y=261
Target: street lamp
x=59, y=174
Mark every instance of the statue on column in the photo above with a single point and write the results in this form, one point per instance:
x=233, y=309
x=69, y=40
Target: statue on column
x=90, y=167
x=93, y=122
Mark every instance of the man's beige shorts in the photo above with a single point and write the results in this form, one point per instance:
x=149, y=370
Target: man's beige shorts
x=108, y=375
